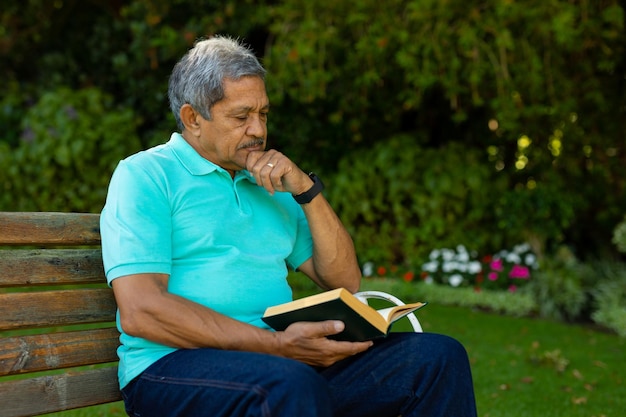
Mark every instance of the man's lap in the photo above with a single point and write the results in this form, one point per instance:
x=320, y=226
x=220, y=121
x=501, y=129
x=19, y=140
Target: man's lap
x=389, y=378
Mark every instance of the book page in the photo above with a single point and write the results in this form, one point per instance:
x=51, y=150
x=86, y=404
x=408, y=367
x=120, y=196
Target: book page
x=394, y=313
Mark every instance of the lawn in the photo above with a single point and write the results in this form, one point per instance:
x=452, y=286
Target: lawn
x=528, y=367
x=523, y=367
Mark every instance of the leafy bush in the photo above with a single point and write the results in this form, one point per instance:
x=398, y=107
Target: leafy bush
x=70, y=143
x=560, y=287
x=619, y=236
x=399, y=200
x=611, y=306
x=609, y=296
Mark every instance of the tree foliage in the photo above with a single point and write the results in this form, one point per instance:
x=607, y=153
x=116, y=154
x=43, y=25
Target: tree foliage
x=537, y=85
x=533, y=91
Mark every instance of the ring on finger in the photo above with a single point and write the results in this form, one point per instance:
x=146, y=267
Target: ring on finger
x=270, y=165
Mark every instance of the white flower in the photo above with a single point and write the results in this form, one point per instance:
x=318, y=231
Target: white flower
x=428, y=280
x=368, y=269
x=431, y=266
x=455, y=280
x=513, y=258
x=524, y=247
x=463, y=255
x=447, y=254
x=474, y=267
x=449, y=266
x=434, y=255
x=530, y=260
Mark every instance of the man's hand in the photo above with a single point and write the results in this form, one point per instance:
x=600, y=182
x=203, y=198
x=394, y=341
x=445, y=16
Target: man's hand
x=307, y=342
x=275, y=172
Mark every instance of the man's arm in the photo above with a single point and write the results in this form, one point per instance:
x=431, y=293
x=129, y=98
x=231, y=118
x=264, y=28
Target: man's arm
x=149, y=311
x=334, y=263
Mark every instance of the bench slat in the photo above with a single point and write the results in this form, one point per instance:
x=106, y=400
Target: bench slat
x=86, y=357
x=20, y=267
x=23, y=354
x=18, y=228
x=53, y=393
x=56, y=308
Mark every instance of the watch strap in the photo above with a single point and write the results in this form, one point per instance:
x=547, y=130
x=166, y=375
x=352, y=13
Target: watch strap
x=308, y=195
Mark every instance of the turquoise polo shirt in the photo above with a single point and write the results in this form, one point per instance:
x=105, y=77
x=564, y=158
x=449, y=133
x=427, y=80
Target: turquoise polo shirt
x=225, y=243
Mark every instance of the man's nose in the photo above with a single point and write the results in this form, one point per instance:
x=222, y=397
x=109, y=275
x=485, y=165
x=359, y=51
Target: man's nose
x=256, y=126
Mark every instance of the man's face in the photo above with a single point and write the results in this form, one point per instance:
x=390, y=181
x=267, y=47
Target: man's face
x=238, y=125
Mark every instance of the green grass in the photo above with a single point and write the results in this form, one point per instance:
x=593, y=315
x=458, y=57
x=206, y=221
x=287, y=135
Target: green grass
x=529, y=367
x=521, y=366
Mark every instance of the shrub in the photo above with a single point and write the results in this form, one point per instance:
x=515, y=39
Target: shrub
x=611, y=306
x=559, y=287
x=619, y=236
x=70, y=143
x=609, y=296
x=397, y=199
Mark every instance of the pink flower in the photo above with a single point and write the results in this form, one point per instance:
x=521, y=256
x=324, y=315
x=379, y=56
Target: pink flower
x=520, y=272
x=496, y=265
x=493, y=276
x=512, y=288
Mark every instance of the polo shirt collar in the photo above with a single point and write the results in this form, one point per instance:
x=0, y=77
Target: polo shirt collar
x=194, y=162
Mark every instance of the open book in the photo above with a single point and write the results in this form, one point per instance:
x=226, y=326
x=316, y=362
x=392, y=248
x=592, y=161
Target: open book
x=362, y=322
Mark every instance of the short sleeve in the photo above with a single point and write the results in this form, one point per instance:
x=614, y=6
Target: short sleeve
x=136, y=223
x=303, y=246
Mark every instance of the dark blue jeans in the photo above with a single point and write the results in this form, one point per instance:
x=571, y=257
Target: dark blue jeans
x=408, y=374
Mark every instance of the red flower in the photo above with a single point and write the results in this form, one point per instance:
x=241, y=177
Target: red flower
x=381, y=271
x=408, y=276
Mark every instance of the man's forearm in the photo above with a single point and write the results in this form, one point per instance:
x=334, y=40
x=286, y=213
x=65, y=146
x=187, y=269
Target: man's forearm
x=334, y=257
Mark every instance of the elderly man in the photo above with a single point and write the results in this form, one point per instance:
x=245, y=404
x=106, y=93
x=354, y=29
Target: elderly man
x=198, y=235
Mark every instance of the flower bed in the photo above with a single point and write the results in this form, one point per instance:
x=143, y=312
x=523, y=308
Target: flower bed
x=460, y=267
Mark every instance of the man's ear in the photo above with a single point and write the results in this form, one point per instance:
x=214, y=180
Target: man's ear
x=189, y=117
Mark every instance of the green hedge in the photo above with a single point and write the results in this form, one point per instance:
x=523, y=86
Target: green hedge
x=69, y=145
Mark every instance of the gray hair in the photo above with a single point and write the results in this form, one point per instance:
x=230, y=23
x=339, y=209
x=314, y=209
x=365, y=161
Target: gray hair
x=198, y=78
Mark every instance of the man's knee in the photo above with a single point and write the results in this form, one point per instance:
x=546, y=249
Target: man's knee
x=296, y=386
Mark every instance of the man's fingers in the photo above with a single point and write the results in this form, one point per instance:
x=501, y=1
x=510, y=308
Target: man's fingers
x=267, y=168
x=332, y=327
x=318, y=329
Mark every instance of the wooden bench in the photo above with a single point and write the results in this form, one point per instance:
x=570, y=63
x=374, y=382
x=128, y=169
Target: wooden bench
x=58, y=338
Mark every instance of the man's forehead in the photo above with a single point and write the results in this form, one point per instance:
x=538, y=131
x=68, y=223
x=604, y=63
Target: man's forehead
x=244, y=94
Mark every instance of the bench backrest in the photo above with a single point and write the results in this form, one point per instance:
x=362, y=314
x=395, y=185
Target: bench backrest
x=58, y=338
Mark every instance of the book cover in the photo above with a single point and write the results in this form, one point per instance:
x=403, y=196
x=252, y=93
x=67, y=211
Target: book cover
x=362, y=322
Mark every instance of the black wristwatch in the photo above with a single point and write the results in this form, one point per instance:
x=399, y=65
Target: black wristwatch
x=307, y=196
